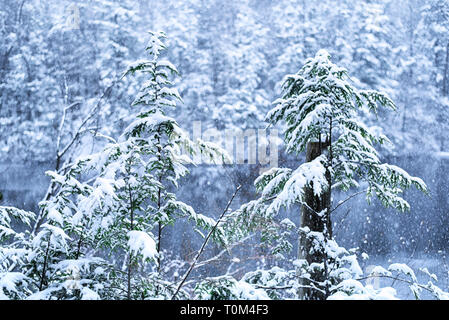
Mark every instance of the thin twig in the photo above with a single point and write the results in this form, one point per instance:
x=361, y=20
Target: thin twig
x=396, y=278
x=60, y=154
x=88, y=117
x=347, y=199
x=221, y=253
x=342, y=220
x=205, y=243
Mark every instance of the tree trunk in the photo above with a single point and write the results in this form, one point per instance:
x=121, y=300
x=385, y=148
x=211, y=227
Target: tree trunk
x=310, y=219
x=130, y=256
x=446, y=70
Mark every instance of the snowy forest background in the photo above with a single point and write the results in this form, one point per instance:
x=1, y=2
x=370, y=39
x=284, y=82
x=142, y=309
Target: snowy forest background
x=231, y=57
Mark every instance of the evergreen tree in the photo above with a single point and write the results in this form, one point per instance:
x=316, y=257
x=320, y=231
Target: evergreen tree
x=320, y=109
x=14, y=282
x=102, y=235
x=129, y=203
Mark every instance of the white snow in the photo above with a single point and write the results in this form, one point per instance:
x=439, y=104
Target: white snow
x=141, y=243
x=403, y=268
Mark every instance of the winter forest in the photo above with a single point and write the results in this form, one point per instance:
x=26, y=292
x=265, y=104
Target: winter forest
x=236, y=150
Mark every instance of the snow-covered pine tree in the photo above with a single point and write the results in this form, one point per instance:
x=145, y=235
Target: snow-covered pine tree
x=63, y=261
x=14, y=283
x=122, y=210
x=321, y=111
x=152, y=159
x=59, y=261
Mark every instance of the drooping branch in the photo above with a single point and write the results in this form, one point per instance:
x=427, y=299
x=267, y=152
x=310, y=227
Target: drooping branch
x=397, y=278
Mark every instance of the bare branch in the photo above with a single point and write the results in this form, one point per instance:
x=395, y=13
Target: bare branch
x=347, y=199
x=91, y=113
x=205, y=243
x=60, y=154
x=221, y=253
x=61, y=124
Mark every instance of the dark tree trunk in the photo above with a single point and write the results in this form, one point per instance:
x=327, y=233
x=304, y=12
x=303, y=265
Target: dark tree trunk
x=130, y=257
x=446, y=70
x=310, y=219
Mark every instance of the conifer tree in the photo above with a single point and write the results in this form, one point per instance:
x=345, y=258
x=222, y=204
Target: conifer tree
x=14, y=283
x=320, y=109
x=117, y=202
